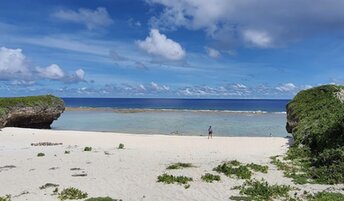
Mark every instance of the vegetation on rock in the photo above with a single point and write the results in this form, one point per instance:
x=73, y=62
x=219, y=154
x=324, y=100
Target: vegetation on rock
x=316, y=121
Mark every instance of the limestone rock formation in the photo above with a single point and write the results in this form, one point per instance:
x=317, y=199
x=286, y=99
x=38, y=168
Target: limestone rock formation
x=31, y=111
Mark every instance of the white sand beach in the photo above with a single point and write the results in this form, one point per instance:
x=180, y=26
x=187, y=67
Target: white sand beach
x=129, y=174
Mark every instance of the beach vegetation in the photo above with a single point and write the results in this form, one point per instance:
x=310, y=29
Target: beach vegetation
x=48, y=185
x=210, y=178
x=316, y=121
x=40, y=154
x=326, y=196
x=241, y=171
x=67, y=152
x=102, y=199
x=88, y=149
x=72, y=194
x=179, y=166
x=121, y=146
x=261, y=190
x=5, y=198
x=170, y=179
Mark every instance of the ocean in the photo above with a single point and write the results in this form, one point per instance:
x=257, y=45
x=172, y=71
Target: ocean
x=228, y=117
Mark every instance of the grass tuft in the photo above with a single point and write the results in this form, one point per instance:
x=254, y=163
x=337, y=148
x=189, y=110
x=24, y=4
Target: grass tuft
x=5, y=198
x=121, y=146
x=326, y=196
x=102, y=199
x=48, y=185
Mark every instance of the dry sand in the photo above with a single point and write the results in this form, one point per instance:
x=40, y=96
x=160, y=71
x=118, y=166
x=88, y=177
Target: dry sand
x=131, y=173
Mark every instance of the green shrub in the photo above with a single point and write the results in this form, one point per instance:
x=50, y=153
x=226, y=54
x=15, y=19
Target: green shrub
x=121, y=146
x=71, y=194
x=326, y=196
x=179, y=166
x=40, y=154
x=210, y=177
x=88, y=149
x=5, y=198
x=67, y=152
x=261, y=190
x=170, y=179
x=102, y=199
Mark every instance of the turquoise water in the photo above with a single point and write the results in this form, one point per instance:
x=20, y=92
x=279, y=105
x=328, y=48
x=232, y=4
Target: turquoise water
x=176, y=122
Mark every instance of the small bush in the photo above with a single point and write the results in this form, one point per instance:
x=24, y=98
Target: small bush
x=326, y=196
x=170, y=179
x=210, y=178
x=121, y=146
x=67, y=152
x=5, y=198
x=102, y=199
x=40, y=154
x=71, y=194
x=261, y=190
x=48, y=185
x=179, y=166
x=88, y=149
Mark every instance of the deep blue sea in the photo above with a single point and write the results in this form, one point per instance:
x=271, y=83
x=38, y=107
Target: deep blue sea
x=228, y=117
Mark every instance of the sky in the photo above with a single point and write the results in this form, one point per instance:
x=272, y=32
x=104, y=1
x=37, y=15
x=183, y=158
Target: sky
x=170, y=48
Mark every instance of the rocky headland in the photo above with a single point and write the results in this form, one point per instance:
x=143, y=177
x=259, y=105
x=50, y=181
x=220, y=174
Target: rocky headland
x=31, y=111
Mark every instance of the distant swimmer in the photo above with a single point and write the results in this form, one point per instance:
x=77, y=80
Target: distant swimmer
x=210, y=132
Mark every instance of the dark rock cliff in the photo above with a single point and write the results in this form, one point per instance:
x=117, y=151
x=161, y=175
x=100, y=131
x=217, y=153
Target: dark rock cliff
x=30, y=112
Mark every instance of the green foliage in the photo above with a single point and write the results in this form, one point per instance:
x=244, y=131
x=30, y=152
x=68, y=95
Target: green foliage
x=71, y=194
x=102, y=199
x=48, y=185
x=170, y=179
x=319, y=133
x=5, y=198
x=67, y=152
x=258, y=168
x=88, y=149
x=210, y=177
x=241, y=171
x=179, y=166
x=261, y=190
x=30, y=101
x=40, y=154
x=121, y=146
x=326, y=196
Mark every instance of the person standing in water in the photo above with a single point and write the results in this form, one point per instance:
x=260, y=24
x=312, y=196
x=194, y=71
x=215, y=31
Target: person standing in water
x=210, y=132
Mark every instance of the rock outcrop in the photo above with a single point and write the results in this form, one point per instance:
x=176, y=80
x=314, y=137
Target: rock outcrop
x=31, y=111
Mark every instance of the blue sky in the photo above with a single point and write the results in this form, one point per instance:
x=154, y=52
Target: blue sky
x=170, y=48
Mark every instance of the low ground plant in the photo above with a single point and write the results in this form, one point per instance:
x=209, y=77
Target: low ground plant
x=88, y=149
x=48, y=185
x=326, y=196
x=261, y=190
x=210, y=178
x=241, y=171
x=5, y=198
x=179, y=166
x=67, y=152
x=40, y=154
x=71, y=194
x=121, y=146
x=170, y=179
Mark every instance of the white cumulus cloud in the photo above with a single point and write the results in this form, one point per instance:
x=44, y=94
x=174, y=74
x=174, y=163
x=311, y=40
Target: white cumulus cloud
x=53, y=72
x=13, y=63
x=91, y=18
x=258, y=38
x=159, y=45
